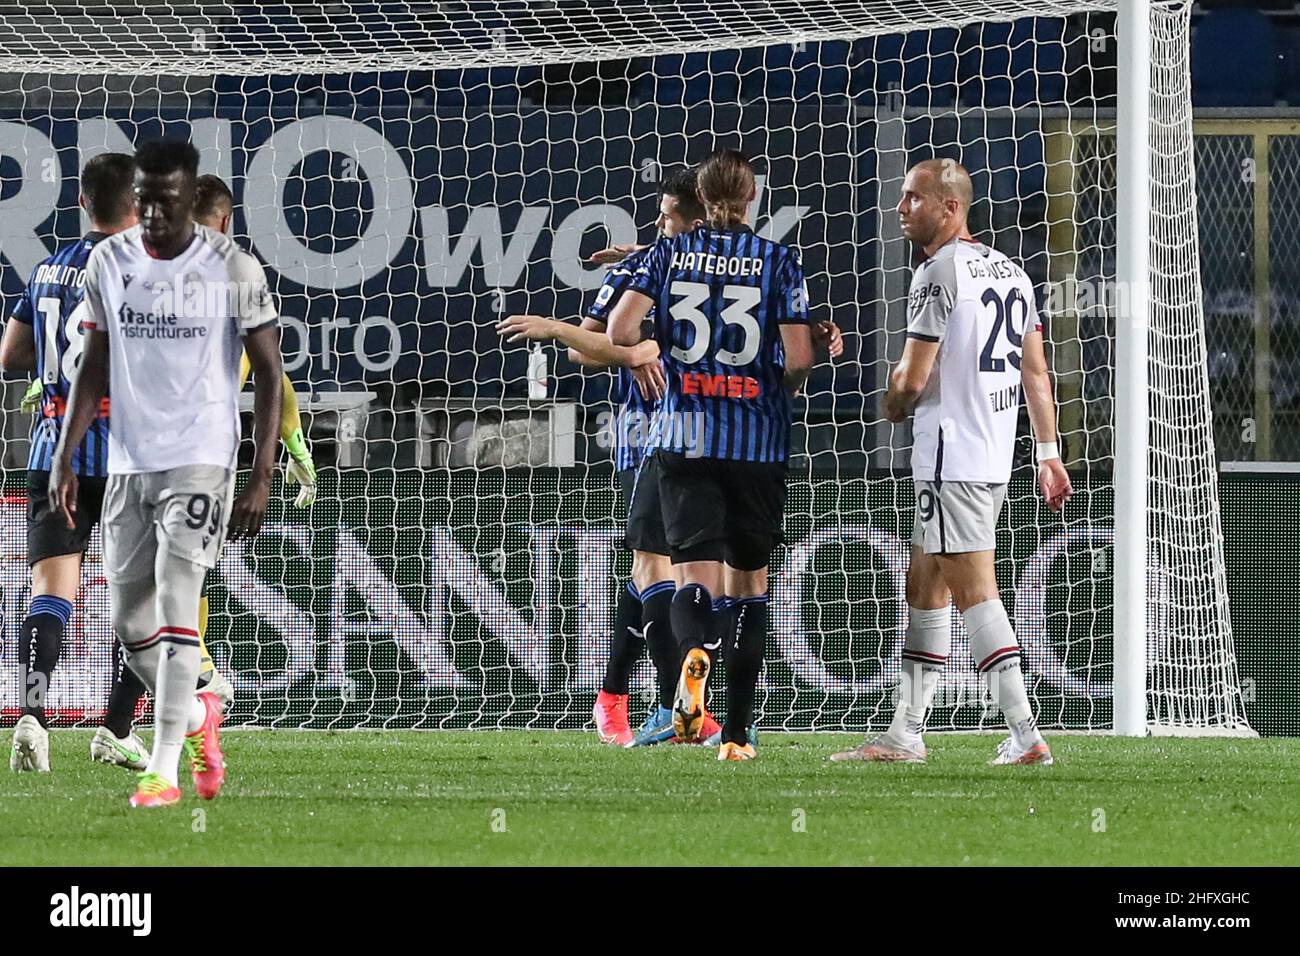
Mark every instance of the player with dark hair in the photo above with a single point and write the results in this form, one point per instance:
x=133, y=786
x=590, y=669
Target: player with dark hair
x=214, y=203
x=214, y=208
x=169, y=501
x=44, y=335
x=731, y=320
x=642, y=614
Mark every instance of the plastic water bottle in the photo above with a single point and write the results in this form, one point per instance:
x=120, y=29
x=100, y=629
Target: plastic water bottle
x=537, y=372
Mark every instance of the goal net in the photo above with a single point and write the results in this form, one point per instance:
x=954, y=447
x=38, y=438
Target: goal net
x=411, y=172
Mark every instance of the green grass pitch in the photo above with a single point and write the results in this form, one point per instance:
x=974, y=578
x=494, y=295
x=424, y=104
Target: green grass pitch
x=543, y=797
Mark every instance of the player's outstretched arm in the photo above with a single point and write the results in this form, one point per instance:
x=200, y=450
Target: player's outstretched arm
x=18, y=347
x=263, y=347
x=626, y=318
x=587, y=346
x=1036, y=381
x=907, y=380
x=615, y=254
x=89, y=386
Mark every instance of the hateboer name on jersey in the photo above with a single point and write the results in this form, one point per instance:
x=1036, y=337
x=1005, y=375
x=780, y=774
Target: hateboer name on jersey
x=718, y=265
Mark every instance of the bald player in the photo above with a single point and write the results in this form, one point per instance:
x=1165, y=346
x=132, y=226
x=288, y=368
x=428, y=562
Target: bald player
x=974, y=349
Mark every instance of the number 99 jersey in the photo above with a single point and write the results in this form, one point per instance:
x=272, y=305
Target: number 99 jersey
x=721, y=296
x=978, y=305
x=52, y=306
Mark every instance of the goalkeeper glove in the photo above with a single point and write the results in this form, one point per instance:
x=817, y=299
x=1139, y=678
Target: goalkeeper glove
x=33, y=397
x=300, y=470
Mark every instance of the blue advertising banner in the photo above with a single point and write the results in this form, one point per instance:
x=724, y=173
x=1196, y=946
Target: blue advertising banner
x=395, y=239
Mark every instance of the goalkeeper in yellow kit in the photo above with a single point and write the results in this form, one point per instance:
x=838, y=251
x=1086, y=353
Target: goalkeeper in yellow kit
x=115, y=742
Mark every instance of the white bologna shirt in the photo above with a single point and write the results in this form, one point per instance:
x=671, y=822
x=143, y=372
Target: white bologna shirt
x=174, y=328
x=978, y=305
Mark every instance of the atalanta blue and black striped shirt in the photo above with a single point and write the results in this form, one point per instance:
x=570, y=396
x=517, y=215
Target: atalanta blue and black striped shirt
x=52, y=306
x=721, y=296
x=635, y=412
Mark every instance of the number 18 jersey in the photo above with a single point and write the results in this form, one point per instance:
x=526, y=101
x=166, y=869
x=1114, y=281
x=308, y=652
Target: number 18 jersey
x=721, y=296
x=978, y=305
x=53, y=305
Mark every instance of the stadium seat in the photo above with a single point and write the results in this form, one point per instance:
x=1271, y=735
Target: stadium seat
x=1234, y=59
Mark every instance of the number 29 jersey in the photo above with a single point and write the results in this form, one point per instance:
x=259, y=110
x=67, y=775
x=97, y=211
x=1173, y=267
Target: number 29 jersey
x=53, y=305
x=721, y=296
x=978, y=305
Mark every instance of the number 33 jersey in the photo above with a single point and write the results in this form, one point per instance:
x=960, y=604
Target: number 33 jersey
x=52, y=306
x=721, y=296
x=978, y=305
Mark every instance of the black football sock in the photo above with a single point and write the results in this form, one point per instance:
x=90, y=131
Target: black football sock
x=38, y=653
x=626, y=645
x=693, y=619
x=126, y=693
x=724, y=623
x=744, y=655
x=657, y=626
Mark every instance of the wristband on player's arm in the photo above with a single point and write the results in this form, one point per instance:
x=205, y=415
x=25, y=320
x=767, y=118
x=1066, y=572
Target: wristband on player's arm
x=1047, y=450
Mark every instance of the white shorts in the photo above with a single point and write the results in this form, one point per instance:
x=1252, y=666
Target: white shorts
x=185, y=510
x=955, y=517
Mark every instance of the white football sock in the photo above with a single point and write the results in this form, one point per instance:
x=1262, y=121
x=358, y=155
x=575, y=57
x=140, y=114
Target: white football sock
x=1007, y=685
x=997, y=653
x=198, y=714
x=178, y=677
x=925, y=652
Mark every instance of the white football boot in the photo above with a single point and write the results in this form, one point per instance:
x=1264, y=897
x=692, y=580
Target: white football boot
x=1009, y=752
x=31, y=750
x=886, y=749
x=129, y=751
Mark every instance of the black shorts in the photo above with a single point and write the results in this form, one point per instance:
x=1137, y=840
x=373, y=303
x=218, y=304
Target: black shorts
x=645, y=519
x=720, y=510
x=48, y=535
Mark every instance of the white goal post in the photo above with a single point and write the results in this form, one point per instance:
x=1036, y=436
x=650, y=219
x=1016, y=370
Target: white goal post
x=409, y=171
